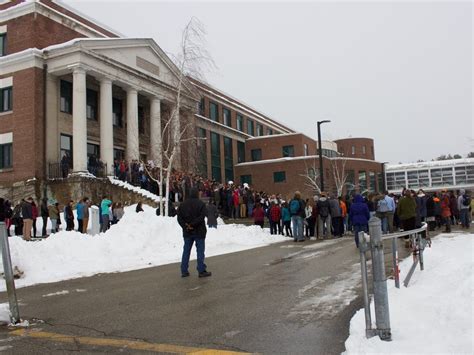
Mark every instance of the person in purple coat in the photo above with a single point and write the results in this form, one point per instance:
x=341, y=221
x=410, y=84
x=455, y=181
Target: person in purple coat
x=359, y=215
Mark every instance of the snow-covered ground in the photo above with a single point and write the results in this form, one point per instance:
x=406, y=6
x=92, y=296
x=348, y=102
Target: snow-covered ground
x=138, y=241
x=434, y=314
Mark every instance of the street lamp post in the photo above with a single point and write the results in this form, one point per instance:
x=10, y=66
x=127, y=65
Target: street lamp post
x=320, y=149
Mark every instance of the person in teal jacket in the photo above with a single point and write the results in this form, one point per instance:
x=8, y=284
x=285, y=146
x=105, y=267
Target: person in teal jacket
x=104, y=210
x=286, y=218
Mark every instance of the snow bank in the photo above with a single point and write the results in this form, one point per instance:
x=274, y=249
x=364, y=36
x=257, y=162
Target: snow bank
x=435, y=313
x=138, y=241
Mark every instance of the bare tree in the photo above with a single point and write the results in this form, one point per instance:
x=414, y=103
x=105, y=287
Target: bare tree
x=311, y=176
x=339, y=173
x=191, y=61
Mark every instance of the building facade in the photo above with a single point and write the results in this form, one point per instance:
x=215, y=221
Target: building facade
x=454, y=174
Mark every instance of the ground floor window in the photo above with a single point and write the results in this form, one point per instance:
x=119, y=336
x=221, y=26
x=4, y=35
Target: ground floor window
x=279, y=176
x=6, y=156
x=246, y=179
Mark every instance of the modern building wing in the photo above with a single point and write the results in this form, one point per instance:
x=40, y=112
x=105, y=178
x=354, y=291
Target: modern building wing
x=451, y=174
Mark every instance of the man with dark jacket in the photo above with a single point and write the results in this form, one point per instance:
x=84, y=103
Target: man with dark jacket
x=44, y=215
x=27, y=213
x=191, y=217
x=359, y=215
x=324, y=220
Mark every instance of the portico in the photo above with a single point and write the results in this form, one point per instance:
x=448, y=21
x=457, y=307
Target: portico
x=129, y=73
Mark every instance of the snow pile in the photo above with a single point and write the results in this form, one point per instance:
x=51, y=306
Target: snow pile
x=4, y=313
x=139, y=240
x=136, y=189
x=435, y=313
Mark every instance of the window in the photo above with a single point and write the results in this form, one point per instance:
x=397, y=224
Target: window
x=216, y=157
x=117, y=112
x=240, y=123
x=305, y=147
x=259, y=129
x=141, y=119
x=227, y=120
x=362, y=182
x=6, y=156
x=6, y=99
x=270, y=131
x=240, y=152
x=119, y=154
x=3, y=44
x=256, y=154
x=201, y=106
x=363, y=149
x=245, y=179
x=91, y=108
x=93, y=150
x=372, y=182
x=213, y=111
x=353, y=150
x=228, y=159
x=250, y=127
x=279, y=176
x=380, y=182
x=66, y=97
x=66, y=147
x=202, y=152
x=288, y=151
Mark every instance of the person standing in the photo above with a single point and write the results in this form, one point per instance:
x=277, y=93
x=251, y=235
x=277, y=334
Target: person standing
x=69, y=216
x=139, y=207
x=258, y=215
x=191, y=218
x=286, y=219
x=274, y=217
x=104, y=210
x=324, y=225
x=34, y=210
x=406, y=211
x=359, y=215
x=80, y=215
x=297, y=214
x=336, y=217
x=118, y=212
x=446, y=210
x=309, y=219
x=85, y=214
x=53, y=213
x=27, y=215
x=212, y=214
x=464, y=203
x=343, y=206
x=44, y=216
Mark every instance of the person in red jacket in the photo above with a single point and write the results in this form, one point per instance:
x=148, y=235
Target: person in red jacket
x=446, y=211
x=235, y=200
x=274, y=217
x=258, y=215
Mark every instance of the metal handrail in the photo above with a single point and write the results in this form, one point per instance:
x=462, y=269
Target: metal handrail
x=423, y=228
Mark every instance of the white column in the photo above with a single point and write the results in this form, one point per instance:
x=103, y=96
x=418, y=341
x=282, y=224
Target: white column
x=79, y=121
x=155, y=131
x=106, y=125
x=133, y=151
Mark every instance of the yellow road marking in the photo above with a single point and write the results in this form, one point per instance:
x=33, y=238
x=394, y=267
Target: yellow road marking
x=121, y=343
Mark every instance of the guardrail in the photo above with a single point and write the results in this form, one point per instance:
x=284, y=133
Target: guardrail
x=374, y=242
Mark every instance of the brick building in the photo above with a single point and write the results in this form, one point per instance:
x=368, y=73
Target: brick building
x=70, y=86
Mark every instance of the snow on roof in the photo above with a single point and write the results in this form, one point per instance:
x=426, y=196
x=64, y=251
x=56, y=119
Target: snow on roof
x=302, y=157
x=430, y=164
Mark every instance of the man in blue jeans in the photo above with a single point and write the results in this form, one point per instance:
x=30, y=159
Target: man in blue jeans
x=297, y=206
x=191, y=217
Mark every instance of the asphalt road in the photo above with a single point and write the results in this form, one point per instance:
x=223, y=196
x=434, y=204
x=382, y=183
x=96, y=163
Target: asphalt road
x=287, y=298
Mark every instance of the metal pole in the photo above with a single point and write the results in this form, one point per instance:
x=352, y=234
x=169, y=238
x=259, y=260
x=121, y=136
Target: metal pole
x=421, y=246
x=396, y=271
x=382, y=314
x=369, y=332
x=320, y=153
x=8, y=271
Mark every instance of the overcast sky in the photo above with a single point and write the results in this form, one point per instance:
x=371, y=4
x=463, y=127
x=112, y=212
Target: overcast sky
x=399, y=72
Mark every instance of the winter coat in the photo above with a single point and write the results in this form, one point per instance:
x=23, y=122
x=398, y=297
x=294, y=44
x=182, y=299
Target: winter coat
x=80, y=211
x=104, y=206
x=258, y=214
x=68, y=213
x=437, y=206
x=212, y=215
x=335, y=208
x=275, y=213
x=420, y=208
x=27, y=210
x=285, y=214
x=359, y=211
x=34, y=211
x=445, y=207
x=85, y=210
x=191, y=215
x=44, y=209
x=53, y=212
x=235, y=197
x=3, y=210
x=406, y=208
x=430, y=207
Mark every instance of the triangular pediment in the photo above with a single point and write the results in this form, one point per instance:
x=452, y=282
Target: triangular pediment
x=142, y=55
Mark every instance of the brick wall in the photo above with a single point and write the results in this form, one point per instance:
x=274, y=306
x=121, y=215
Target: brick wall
x=344, y=146
x=272, y=148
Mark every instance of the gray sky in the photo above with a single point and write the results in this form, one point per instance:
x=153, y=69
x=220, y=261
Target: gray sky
x=399, y=72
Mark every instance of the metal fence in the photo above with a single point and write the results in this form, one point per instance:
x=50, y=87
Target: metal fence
x=374, y=242
x=61, y=171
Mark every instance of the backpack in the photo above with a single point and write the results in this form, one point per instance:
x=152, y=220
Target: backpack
x=294, y=207
x=382, y=206
x=466, y=200
x=323, y=208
